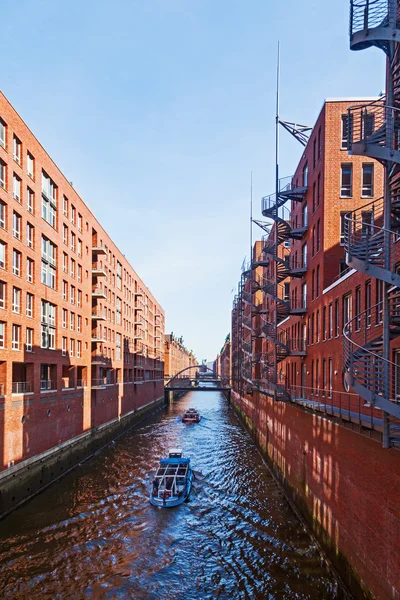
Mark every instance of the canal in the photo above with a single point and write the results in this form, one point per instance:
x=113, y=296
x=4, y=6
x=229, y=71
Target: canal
x=95, y=535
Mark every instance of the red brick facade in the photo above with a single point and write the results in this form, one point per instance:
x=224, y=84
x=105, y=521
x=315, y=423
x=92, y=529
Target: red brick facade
x=176, y=356
x=81, y=337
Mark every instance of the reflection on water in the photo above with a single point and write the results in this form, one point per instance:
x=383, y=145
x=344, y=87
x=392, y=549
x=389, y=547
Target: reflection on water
x=95, y=535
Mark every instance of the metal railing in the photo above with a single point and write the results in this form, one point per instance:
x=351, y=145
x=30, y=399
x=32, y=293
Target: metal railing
x=81, y=383
x=369, y=242
x=368, y=14
x=21, y=387
x=375, y=125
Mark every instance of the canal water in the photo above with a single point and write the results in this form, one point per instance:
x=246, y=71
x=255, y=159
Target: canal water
x=95, y=535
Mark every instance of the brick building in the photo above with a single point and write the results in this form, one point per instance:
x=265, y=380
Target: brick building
x=176, y=356
x=81, y=337
x=222, y=364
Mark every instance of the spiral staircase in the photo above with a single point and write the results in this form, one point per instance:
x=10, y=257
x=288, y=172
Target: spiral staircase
x=372, y=231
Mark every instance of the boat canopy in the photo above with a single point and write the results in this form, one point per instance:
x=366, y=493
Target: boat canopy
x=175, y=461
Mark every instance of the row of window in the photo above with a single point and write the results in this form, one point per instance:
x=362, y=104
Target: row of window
x=367, y=180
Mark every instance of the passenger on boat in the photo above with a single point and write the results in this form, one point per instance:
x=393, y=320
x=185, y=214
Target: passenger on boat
x=155, y=487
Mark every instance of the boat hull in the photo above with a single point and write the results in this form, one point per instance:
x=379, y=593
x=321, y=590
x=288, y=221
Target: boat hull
x=173, y=500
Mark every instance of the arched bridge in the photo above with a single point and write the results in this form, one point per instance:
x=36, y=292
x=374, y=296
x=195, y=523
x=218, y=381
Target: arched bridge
x=192, y=378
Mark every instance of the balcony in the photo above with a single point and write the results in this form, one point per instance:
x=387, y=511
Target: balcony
x=299, y=226
x=98, y=270
x=98, y=292
x=373, y=23
x=374, y=131
x=139, y=293
x=297, y=268
x=99, y=315
x=292, y=190
x=298, y=306
x=20, y=387
x=99, y=359
x=98, y=339
x=297, y=347
x=81, y=383
x=47, y=385
x=67, y=383
x=99, y=250
x=138, y=380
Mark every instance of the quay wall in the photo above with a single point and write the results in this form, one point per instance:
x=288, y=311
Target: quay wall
x=345, y=486
x=29, y=477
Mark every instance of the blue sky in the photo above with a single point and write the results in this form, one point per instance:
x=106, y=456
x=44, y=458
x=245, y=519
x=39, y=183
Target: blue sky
x=158, y=110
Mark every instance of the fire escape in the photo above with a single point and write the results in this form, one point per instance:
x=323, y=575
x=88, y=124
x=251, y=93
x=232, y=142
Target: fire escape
x=372, y=232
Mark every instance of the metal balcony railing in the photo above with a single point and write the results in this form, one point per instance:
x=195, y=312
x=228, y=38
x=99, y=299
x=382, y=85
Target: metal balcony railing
x=374, y=377
x=374, y=131
x=21, y=387
x=298, y=305
x=297, y=346
x=369, y=246
x=372, y=23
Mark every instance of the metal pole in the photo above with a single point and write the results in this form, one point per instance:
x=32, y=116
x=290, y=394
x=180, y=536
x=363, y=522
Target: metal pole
x=275, y=373
x=387, y=225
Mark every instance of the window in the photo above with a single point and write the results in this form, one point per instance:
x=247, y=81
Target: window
x=343, y=224
x=65, y=206
x=304, y=295
x=319, y=143
x=49, y=254
x=16, y=300
x=16, y=337
x=337, y=321
x=118, y=311
x=367, y=124
x=64, y=346
x=72, y=321
x=78, y=348
x=313, y=240
x=79, y=273
x=72, y=263
x=73, y=243
x=3, y=169
x=29, y=304
x=79, y=298
x=3, y=129
x=65, y=262
x=319, y=189
x=72, y=296
x=347, y=312
x=79, y=222
x=3, y=294
x=29, y=235
x=16, y=263
x=367, y=189
x=79, y=247
x=30, y=200
x=16, y=188
x=30, y=163
x=346, y=181
x=65, y=290
x=367, y=223
x=305, y=175
x=324, y=323
x=65, y=234
x=2, y=334
x=346, y=131
x=49, y=200
x=379, y=301
x=3, y=255
x=318, y=235
x=368, y=303
x=16, y=150
x=314, y=152
x=318, y=284
x=314, y=197
x=72, y=347
x=304, y=255
x=29, y=270
x=64, y=318
x=317, y=327
x=3, y=214
x=79, y=323
x=48, y=325
x=16, y=225
x=358, y=309
x=118, y=347
x=29, y=339
x=330, y=371
x=73, y=214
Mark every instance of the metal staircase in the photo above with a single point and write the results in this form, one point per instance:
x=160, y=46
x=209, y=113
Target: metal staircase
x=371, y=236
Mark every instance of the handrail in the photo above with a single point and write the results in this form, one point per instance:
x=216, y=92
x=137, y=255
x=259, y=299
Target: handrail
x=368, y=14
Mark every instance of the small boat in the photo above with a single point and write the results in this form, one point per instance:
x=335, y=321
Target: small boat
x=173, y=480
x=191, y=416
